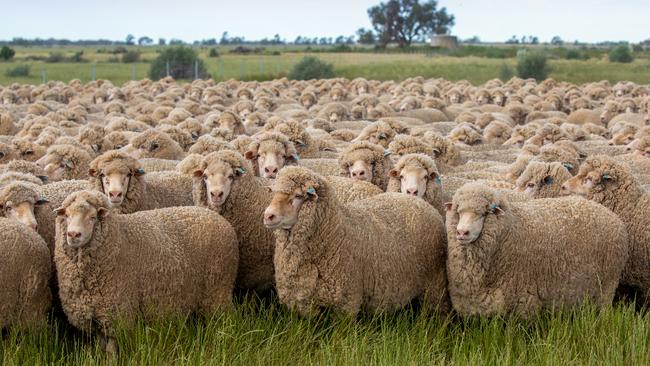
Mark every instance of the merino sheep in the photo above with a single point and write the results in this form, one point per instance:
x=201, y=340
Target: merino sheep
x=366, y=161
x=25, y=270
x=156, y=263
x=609, y=183
x=418, y=175
x=156, y=144
x=542, y=180
x=224, y=182
x=377, y=254
x=269, y=152
x=512, y=256
x=65, y=162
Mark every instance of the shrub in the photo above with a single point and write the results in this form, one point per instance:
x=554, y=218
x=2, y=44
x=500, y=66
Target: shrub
x=573, y=55
x=213, y=52
x=77, y=57
x=181, y=61
x=532, y=65
x=120, y=49
x=7, y=53
x=506, y=73
x=621, y=54
x=55, y=57
x=131, y=57
x=311, y=68
x=21, y=70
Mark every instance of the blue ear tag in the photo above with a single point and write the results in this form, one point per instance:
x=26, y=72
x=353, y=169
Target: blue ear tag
x=438, y=180
x=295, y=157
x=241, y=170
x=493, y=207
x=311, y=190
x=568, y=166
x=548, y=180
x=140, y=171
x=605, y=176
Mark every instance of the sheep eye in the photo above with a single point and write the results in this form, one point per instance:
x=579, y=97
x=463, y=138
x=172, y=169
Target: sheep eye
x=129, y=175
x=2, y=155
x=401, y=177
x=299, y=197
x=530, y=185
x=231, y=177
x=28, y=152
x=205, y=177
x=9, y=209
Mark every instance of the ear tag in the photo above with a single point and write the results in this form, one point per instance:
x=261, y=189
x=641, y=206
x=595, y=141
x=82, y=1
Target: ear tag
x=311, y=190
x=241, y=171
x=568, y=166
x=493, y=207
x=438, y=180
x=606, y=177
x=140, y=171
x=295, y=157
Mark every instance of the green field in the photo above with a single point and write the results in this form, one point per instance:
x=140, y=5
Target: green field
x=380, y=66
x=261, y=332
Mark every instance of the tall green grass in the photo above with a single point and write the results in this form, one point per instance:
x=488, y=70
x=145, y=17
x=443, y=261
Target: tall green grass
x=262, y=332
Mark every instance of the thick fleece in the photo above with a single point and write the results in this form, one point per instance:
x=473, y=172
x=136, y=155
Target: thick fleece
x=542, y=180
x=520, y=261
x=25, y=269
x=376, y=254
x=65, y=162
x=373, y=155
x=155, y=263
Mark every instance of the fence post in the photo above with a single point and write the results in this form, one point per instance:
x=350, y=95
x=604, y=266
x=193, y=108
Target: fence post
x=241, y=69
x=196, y=69
x=167, y=68
x=261, y=62
x=92, y=72
x=44, y=75
x=221, y=70
x=133, y=76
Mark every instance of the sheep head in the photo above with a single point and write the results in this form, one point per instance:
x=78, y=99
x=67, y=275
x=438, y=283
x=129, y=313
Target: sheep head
x=219, y=171
x=292, y=189
x=112, y=173
x=414, y=172
x=271, y=151
x=82, y=211
x=599, y=179
x=472, y=205
x=18, y=201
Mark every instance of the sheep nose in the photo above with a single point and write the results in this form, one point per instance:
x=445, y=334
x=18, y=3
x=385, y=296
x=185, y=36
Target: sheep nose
x=412, y=191
x=462, y=234
x=611, y=143
x=270, y=218
x=358, y=174
x=271, y=170
x=217, y=195
x=115, y=194
x=74, y=234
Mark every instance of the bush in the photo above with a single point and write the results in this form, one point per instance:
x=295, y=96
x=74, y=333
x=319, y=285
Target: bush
x=532, y=64
x=506, y=73
x=131, y=57
x=55, y=57
x=213, y=52
x=573, y=55
x=621, y=54
x=77, y=57
x=312, y=68
x=7, y=53
x=181, y=61
x=21, y=70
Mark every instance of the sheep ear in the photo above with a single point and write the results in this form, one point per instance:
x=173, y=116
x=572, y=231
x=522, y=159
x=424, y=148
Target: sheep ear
x=138, y=172
x=198, y=173
x=436, y=152
x=448, y=206
x=300, y=143
x=68, y=163
x=568, y=166
x=311, y=193
x=240, y=171
x=608, y=178
x=95, y=147
x=498, y=212
x=294, y=157
x=387, y=153
x=250, y=155
x=547, y=180
x=269, y=189
x=92, y=172
x=41, y=201
x=434, y=177
x=393, y=173
x=43, y=178
x=59, y=211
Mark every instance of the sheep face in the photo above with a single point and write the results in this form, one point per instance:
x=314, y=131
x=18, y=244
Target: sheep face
x=609, y=111
x=641, y=146
x=80, y=219
x=594, y=178
x=623, y=136
x=218, y=178
x=470, y=217
x=55, y=166
x=361, y=170
x=464, y=135
x=229, y=121
x=271, y=156
x=413, y=180
x=115, y=186
x=307, y=101
x=283, y=210
x=540, y=180
x=22, y=212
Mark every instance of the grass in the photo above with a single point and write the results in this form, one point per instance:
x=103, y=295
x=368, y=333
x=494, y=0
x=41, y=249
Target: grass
x=263, y=332
x=380, y=66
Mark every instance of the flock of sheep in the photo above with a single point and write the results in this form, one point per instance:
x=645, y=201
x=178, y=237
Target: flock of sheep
x=159, y=198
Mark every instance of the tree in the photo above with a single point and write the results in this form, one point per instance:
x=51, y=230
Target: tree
x=224, y=38
x=182, y=62
x=7, y=53
x=145, y=41
x=312, y=68
x=403, y=21
x=130, y=39
x=365, y=36
x=557, y=41
x=162, y=41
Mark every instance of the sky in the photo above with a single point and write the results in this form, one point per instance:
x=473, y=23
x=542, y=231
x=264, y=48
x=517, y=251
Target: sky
x=189, y=20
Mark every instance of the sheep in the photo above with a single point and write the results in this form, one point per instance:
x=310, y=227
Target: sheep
x=508, y=256
x=7, y=153
x=25, y=270
x=418, y=175
x=542, y=180
x=114, y=141
x=465, y=134
x=305, y=145
x=27, y=167
x=406, y=144
x=382, y=132
x=224, y=182
x=449, y=155
x=231, y=121
x=7, y=124
x=207, y=144
x=334, y=112
x=156, y=144
x=19, y=198
x=129, y=189
x=65, y=162
x=27, y=150
x=153, y=264
x=366, y=161
x=611, y=184
x=182, y=137
x=497, y=132
x=348, y=257
x=269, y=152
x=583, y=116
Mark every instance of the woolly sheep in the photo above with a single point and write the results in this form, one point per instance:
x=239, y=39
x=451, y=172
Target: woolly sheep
x=418, y=175
x=65, y=162
x=542, y=180
x=609, y=183
x=156, y=263
x=156, y=144
x=349, y=257
x=512, y=256
x=25, y=270
x=269, y=152
x=382, y=132
x=366, y=161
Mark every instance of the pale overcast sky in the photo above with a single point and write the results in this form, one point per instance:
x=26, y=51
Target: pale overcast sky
x=189, y=20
